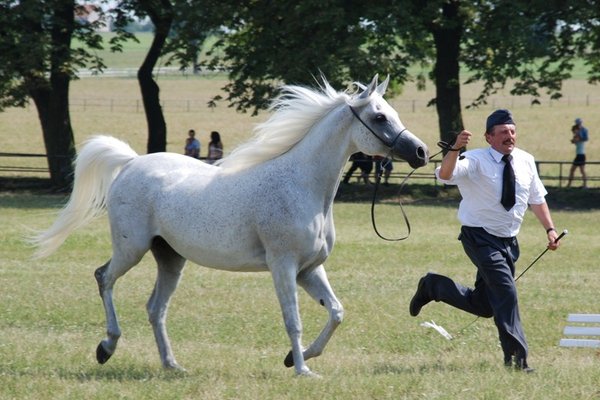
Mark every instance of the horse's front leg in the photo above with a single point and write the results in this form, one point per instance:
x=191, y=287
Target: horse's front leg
x=316, y=284
x=284, y=278
x=170, y=266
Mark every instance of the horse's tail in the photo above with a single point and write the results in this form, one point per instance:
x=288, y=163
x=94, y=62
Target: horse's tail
x=97, y=165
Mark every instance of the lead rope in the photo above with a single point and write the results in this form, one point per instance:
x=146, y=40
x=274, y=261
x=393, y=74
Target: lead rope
x=444, y=146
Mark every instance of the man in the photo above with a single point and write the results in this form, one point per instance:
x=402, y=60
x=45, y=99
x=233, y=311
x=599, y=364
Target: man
x=192, y=145
x=491, y=218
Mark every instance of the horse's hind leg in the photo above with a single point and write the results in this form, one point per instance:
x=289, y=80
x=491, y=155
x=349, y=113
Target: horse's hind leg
x=316, y=284
x=106, y=276
x=107, y=347
x=170, y=266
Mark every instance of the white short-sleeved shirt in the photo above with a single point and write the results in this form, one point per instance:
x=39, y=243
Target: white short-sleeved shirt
x=478, y=175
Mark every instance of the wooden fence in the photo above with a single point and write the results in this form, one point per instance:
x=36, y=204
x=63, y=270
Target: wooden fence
x=135, y=105
x=552, y=173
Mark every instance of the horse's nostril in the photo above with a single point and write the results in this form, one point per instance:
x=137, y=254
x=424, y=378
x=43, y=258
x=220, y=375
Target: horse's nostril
x=422, y=154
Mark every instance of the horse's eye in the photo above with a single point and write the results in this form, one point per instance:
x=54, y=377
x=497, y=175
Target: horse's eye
x=379, y=118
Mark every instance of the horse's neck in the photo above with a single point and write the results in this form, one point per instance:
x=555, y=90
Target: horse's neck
x=325, y=149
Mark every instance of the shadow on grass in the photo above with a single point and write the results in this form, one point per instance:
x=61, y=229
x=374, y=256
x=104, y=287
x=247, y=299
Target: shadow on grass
x=27, y=193
x=100, y=373
x=38, y=193
x=121, y=374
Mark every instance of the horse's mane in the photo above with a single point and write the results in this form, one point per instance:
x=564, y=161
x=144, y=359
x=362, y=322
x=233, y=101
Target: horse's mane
x=294, y=111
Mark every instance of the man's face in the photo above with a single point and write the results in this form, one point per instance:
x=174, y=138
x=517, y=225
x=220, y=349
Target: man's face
x=502, y=138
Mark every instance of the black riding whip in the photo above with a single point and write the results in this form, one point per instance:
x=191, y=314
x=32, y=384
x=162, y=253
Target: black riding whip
x=564, y=232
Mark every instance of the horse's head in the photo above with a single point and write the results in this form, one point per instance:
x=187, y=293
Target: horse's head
x=380, y=130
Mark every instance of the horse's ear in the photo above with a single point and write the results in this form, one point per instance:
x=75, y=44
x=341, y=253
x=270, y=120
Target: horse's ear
x=369, y=89
x=383, y=86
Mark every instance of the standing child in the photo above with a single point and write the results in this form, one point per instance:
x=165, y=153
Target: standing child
x=580, y=136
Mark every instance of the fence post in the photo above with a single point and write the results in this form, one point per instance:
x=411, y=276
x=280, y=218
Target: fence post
x=560, y=169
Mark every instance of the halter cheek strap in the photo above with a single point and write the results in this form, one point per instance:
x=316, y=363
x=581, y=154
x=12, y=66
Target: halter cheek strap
x=377, y=180
x=383, y=140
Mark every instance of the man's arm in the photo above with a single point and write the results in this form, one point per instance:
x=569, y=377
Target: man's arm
x=542, y=212
x=449, y=160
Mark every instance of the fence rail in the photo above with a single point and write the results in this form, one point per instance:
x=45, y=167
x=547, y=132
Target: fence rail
x=135, y=105
x=553, y=173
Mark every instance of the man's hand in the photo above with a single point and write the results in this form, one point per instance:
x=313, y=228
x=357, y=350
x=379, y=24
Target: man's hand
x=462, y=140
x=553, y=241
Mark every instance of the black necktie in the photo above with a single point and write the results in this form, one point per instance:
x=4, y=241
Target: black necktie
x=508, y=184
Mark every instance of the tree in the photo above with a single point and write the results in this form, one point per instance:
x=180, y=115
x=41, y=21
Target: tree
x=39, y=62
x=528, y=44
x=180, y=27
x=294, y=42
x=161, y=14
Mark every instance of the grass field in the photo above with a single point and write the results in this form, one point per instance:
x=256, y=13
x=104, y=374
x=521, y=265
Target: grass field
x=226, y=328
x=227, y=331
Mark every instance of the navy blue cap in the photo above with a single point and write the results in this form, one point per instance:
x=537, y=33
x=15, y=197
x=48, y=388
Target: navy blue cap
x=499, y=117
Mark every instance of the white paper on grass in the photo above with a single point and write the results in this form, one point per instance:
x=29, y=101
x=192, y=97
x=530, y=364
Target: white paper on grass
x=438, y=328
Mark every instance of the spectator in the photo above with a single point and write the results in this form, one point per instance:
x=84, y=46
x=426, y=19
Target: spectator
x=364, y=163
x=192, y=145
x=580, y=136
x=215, y=148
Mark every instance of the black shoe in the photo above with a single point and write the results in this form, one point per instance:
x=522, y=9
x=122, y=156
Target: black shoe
x=419, y=299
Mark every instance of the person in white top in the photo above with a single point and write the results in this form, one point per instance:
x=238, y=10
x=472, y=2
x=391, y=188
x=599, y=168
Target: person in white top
x=489, y=229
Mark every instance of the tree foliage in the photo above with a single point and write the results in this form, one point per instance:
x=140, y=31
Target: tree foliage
x=294, y=42
x=527, y=46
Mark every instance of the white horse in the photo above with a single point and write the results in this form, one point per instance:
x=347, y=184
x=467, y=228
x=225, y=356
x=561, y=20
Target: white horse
x=265, y=207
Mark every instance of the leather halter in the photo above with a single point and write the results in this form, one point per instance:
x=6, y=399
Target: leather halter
x=383, y=140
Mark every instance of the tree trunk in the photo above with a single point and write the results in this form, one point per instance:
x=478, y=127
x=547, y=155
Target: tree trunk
x=52, y=100
x=161, y=14
x=53, y=112
x=447, y=37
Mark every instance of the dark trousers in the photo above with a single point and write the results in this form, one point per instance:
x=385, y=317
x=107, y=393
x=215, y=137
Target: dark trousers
x=494, y=293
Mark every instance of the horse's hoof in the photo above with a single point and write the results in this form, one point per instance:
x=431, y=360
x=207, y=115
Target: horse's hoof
x=175, y=367
x=309, y=374
x=101, y=354
x=289, y=360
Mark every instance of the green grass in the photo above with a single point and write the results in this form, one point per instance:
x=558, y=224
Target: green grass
x=227, y=330
x=133, y=53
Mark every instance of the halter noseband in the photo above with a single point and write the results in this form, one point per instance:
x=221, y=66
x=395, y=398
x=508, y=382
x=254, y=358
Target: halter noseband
x=384, y=141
